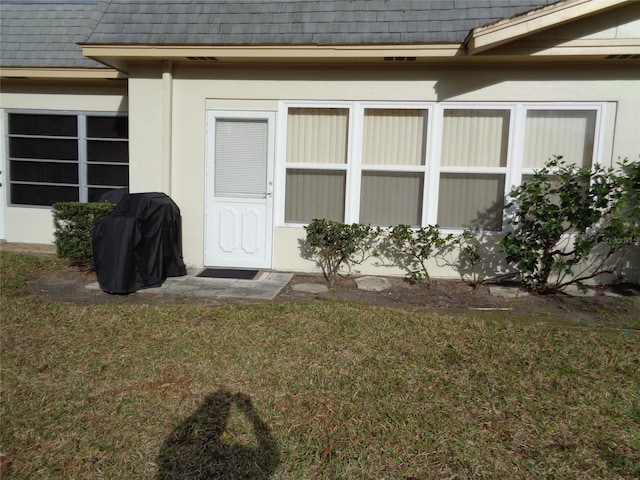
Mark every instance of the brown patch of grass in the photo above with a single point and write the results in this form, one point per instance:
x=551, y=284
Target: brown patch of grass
x=307, y=390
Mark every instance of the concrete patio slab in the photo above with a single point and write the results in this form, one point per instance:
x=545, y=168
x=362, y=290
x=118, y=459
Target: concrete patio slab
x=265, y=287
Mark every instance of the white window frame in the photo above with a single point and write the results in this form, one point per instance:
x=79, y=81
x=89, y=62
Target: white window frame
x=353, y=166
x=82, y=140
x=432, y=168
x=437, y=158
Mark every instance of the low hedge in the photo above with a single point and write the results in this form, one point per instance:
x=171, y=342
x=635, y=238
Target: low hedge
x=73, y=222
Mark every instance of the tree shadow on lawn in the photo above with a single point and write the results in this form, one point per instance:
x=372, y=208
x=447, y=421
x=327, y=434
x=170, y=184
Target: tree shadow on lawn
x=199, y=448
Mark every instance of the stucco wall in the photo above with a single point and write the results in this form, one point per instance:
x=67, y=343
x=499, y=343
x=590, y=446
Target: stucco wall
x=34, y=224
x=196, y=89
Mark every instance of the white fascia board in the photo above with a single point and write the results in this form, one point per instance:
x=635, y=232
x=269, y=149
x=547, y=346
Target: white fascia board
x=60, y=73
x=119, y=55
x=485, y=38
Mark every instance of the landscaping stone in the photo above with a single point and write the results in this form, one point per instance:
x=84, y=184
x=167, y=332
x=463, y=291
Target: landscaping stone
x=310, y=288
x=507, y=292
x=373, y=284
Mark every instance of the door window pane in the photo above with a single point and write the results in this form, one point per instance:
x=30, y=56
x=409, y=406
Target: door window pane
x=317, y=135
x=241, y=158
x=394, y=137
x=569, y=133
x=471, y=201
x=314, y=194
x=475, y=138
x=389, y=198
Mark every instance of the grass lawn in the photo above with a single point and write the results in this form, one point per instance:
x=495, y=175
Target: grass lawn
x=316, y=390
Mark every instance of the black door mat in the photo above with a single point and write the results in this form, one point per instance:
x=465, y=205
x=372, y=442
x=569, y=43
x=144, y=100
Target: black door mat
x=228, y=273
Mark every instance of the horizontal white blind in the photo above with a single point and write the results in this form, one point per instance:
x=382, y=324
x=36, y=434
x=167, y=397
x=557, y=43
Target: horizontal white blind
x=471, y=201
x=569, y=133
x=241, y=158
x=394, y=137
x=475, y=138
x=317, y=135
x=388, y=198
x=314, y=194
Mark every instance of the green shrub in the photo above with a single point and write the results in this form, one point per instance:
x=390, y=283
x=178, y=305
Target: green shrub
x=572, y=224
x=73, y=222
x=335, y=244
x=411, y=248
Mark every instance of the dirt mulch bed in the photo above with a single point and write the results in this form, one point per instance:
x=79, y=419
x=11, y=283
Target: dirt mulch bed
x=444, y=296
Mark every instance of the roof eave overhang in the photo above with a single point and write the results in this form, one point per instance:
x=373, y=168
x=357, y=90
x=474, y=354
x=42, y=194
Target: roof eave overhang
x=120, y=56
x=61, y=73
x=505, y=31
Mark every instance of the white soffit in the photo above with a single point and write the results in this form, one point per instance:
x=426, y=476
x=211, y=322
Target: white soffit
x=491, y=36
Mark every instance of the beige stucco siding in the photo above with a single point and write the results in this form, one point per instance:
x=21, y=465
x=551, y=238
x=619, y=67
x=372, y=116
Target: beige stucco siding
x=194, y=90
x=34, y=224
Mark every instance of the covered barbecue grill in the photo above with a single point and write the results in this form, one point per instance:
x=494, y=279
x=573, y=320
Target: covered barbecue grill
x=139, y=244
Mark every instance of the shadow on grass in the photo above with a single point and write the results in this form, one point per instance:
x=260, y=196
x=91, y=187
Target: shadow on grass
x=200, y=447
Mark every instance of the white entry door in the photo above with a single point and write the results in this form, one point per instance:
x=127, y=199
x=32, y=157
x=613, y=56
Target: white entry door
x=239, y=183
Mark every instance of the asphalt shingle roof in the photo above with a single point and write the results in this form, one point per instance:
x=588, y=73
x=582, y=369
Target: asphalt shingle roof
x=46, y=34
x=41, y=33
x=301, y=22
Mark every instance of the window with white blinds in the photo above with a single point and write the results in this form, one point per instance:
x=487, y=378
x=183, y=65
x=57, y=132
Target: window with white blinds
x=241, y=158
x=391, y=198
x=317, y=135
x=451, y=164
x=569, y=133
x=473, y=168
x=475, y=138
x=394, y=136
x=314, y=194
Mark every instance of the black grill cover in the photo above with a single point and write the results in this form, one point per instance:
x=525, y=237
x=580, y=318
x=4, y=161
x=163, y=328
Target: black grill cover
x=139, y=244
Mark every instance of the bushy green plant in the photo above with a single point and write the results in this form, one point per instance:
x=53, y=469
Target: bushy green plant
x=73, y=222
x=470, y=257
x=411, y=248
x=335, y=245
x=571, y=224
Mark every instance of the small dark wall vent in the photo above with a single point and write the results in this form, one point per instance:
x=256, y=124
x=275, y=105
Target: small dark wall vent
x=399, y=59
x=202, y=59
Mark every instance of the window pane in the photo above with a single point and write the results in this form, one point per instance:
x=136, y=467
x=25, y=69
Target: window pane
x=43, y=148
x=113, y=175
x=317, y=135
x=44, y=172
x=394, y=137
x=471, y=201
x=42, y=194
x=475, y=138
x=107, y=151
x=569, y=133
x=48, y=125
x=95, y=193
x=107, y=127
x=314, y=194
x=241, y=158
x=391, y=198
